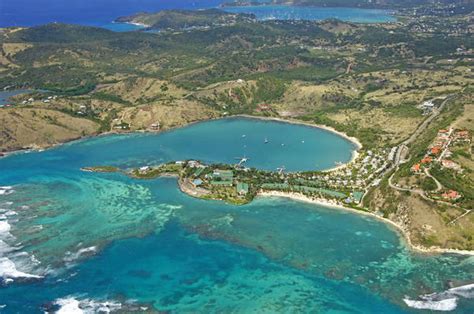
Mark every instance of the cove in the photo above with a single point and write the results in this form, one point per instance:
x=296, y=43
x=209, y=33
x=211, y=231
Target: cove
x=297, y=147
x=5, y=95
x=105, y=236
x=289, y=12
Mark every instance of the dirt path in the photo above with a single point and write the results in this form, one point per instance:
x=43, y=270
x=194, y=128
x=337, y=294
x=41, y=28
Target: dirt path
x=439, y=186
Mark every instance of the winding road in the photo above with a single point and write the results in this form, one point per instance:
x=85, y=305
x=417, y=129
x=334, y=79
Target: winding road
x=398, y=161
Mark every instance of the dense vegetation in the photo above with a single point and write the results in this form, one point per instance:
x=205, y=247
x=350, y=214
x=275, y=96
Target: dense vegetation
x=67, y=56
x=185, y=19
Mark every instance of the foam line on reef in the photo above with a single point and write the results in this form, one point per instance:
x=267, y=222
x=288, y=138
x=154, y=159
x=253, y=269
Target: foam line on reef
x=8, y=269
x=443, y=305
x=75, y=305
x=442, y=301
x=5, y=190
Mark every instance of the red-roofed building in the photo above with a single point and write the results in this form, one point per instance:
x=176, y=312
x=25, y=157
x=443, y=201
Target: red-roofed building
x=416, y=168
x=463, y=136
x=451, y=195
x=427, y=160
x=436, y=150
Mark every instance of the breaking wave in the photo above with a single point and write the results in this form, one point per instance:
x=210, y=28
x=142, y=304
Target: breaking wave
x=71, y=257
x=14, y=264
x=170, y=206
x=442, y=301
x=5, y=190
x=443, y=305
x=71, y=305
x=8, y=270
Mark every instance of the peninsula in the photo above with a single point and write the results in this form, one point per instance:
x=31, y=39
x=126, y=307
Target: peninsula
x=404, y=90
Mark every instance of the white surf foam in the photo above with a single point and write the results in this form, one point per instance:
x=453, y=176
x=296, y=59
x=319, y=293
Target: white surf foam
x=442, y=301
x=11, y=213
x=8, y=270
x=443, y=305
x=466, y=291
x=4, y=227
x=70, y=257
x=70, y=305
x=14, y=264
x=170, y=206
x=5, y=248
x=5, y=190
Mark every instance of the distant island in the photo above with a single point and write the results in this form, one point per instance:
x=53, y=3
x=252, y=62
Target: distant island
x=186, y=19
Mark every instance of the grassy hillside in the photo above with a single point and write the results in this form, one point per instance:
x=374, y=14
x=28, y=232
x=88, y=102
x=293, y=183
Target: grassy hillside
x=365, y=80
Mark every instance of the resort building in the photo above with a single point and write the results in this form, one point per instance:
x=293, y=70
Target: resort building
x=222, y=177
x=462, y=136
x=242, y=188
x=436, y=150
x=450, y=164
x=451, y=195
x=427, y=160
x=416, y=168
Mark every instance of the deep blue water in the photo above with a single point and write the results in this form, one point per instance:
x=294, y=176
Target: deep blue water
x=98, y=237
x=87, y=12
x=103, y=12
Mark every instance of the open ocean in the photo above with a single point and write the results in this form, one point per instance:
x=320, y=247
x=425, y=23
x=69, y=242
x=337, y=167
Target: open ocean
x=103, y=12
x=86, y=12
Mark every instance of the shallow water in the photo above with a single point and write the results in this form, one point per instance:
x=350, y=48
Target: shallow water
x=100, y=237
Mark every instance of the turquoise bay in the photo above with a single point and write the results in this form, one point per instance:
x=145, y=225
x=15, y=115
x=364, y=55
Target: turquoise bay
x=109, y=237
x=288, y=12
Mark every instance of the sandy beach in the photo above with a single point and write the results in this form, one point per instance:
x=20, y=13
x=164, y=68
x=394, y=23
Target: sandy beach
x=353, y=140
x=296, y=196
x=400, y=229
x=319, y=126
